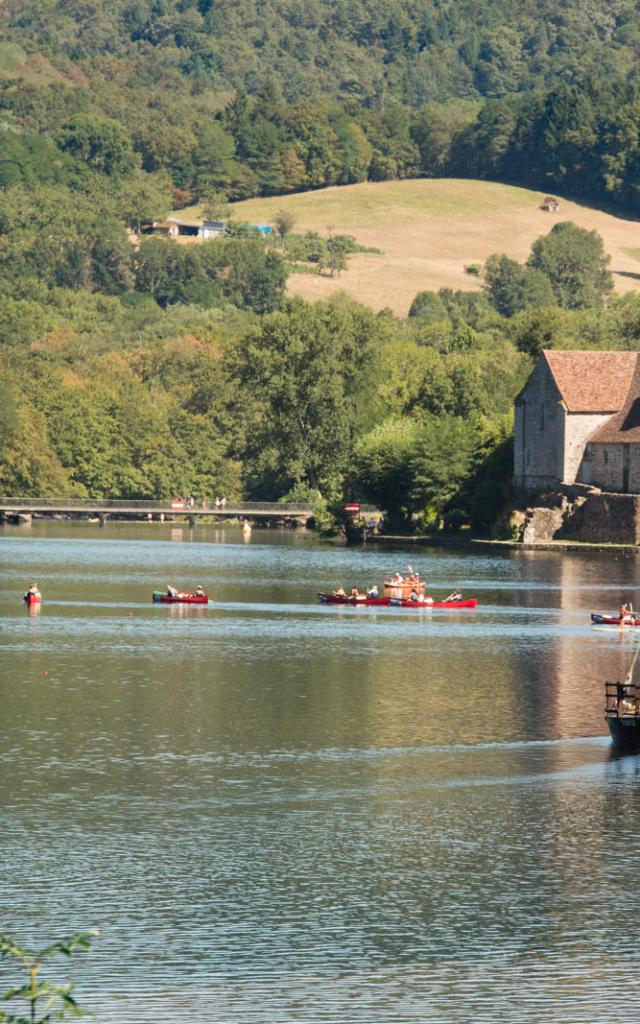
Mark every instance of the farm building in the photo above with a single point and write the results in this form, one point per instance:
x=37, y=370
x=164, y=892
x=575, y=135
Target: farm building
x=212, y=228
x=175, y=228
x=550, y=204
x=577, y=420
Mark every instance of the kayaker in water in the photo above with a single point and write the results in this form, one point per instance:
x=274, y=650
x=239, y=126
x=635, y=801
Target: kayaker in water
x=372, y=591
x=199, y=591
x=455, y=596
x=171, y=591
x=340, y=592
x=625, y=610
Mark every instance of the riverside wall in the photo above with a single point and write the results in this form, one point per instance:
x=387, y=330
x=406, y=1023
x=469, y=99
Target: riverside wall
x=577, y=513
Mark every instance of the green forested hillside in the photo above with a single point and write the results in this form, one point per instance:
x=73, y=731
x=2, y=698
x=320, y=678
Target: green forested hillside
x=417, y=51
x=248, y=99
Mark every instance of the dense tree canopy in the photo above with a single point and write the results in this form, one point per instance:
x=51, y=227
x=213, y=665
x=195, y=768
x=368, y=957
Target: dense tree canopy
x=243, y=100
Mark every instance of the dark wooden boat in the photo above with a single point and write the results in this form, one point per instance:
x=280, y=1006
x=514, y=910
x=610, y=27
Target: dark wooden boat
x=405, y=602
x=160, y=597
x=364, y=600
x=622, y=714
x=600, y=619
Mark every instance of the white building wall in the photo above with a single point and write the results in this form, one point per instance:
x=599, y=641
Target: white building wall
x=579, y=427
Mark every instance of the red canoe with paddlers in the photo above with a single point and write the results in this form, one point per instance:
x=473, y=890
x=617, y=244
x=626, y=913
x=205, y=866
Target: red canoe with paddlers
x=600, y=619
x=160, y=597
x=396, y=602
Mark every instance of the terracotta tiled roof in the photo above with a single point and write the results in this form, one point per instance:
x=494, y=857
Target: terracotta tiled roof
x=592, y=381
x=624, y=427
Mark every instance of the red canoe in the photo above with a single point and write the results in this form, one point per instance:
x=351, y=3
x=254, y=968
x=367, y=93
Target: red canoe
x=397, y=602
x=159, y=597
x=403, y=602
x=614, y=620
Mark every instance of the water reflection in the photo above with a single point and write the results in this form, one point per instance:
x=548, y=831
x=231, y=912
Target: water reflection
x=316, y=813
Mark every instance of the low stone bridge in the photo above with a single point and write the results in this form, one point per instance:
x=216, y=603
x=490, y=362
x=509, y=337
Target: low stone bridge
x=22, y=509
x=99, y=508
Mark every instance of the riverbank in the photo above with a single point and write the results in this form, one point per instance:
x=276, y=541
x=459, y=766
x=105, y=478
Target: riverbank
x=555, y=545
x=459, y=541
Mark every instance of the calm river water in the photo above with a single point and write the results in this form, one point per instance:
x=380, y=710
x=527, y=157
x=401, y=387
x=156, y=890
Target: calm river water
x=282, y=812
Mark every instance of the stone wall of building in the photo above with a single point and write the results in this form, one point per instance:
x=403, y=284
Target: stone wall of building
x=579, y=427
x=615, y=467
x=607, y=466
x=539, y=432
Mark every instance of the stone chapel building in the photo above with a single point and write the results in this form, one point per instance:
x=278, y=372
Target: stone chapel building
x=577, y=420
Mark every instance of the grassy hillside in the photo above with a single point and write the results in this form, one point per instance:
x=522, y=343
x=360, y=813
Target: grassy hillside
x=428, y=231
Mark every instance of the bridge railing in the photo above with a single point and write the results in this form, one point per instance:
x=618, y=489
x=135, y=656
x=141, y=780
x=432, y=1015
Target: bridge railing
x=164, y=505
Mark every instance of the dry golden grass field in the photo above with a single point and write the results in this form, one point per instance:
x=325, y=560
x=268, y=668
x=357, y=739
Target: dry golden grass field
x=429, y=230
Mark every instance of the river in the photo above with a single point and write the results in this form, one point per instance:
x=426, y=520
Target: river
x=277, y=811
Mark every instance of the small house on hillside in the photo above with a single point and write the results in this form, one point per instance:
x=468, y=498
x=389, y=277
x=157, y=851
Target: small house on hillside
x=213, y=229
x=550, y=204
x=578, y=420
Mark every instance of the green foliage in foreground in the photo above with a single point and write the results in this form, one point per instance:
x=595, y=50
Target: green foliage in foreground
x=45, y=1000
